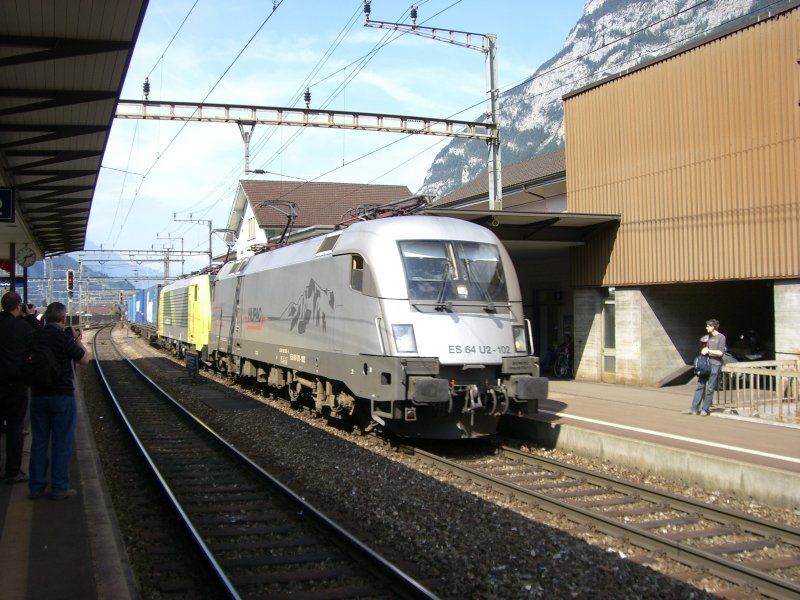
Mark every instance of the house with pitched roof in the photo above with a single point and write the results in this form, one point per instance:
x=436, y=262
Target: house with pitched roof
x=265, y=211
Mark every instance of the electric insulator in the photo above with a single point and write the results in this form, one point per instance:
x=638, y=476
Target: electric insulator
x=307, y=97
x=146, y=88
x=413, y=14
x=366, y=8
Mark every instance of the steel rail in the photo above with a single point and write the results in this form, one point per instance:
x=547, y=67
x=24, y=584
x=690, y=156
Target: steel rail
x=217, y=570
x=408, y=587
x=728, y=570
x=746, y=522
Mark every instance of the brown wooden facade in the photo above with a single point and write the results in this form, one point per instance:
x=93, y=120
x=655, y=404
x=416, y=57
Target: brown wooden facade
x=700, y=154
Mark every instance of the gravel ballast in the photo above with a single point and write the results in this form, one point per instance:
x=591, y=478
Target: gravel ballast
x=460, y=540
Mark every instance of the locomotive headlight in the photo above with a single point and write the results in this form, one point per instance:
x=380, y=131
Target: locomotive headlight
x=404, y=338
x=520, y=343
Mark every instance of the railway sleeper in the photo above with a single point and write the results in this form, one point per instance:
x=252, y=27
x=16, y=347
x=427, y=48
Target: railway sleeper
x=657, y=524
x=604, y=502
x=774, y=564
x=678, y=536
x=737, y=547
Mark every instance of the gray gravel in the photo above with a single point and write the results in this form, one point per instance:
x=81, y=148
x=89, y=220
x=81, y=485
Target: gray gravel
x=462, y=541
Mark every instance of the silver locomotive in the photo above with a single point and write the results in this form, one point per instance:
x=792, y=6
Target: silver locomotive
x=411, y=322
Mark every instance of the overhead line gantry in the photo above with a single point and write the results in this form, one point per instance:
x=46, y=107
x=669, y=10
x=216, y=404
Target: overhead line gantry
x=465, y=39
x=302, y=117
x=250, y=116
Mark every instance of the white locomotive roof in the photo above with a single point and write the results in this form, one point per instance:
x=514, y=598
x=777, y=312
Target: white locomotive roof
x=376, y=241
x=425, y=227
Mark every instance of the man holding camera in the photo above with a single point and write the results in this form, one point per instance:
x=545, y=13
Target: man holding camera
x=53, y=410
x=15, y=330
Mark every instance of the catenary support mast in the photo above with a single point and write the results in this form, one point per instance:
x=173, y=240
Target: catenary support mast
x=488, y=45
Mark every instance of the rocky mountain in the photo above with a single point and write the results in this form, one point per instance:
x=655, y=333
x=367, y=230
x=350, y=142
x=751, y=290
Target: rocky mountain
x=611, y=36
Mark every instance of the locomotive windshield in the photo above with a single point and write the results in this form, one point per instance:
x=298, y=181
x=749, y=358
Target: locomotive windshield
x=452, y=271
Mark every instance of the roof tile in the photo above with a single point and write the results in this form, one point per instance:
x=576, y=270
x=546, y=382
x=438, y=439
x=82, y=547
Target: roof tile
x=318, y=203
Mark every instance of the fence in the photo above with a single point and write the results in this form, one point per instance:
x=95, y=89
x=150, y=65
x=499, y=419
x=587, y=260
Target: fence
x=769, y=389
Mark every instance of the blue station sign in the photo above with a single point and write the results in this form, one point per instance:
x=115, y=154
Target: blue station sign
x=7, y=205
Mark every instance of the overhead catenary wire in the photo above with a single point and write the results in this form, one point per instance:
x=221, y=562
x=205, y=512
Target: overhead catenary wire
x=276, y=4
x=233, y=175
x=516, y=84
x=136, y=128
x=359, y=65
x=346, y=29
x=573, y=83
x=175, y=35
x=525, y=81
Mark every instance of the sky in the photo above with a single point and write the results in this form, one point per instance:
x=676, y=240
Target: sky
x=157, y=175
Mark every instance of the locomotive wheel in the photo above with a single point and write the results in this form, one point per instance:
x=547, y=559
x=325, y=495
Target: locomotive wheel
x=363, y=418
x=294, y=393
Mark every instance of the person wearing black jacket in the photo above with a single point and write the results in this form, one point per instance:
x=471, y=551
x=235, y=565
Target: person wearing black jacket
x=14, y=333
x=53, y=410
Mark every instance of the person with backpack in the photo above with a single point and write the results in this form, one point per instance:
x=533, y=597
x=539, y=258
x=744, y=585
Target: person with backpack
x=50, y=355
x=14, y=333
x=715, y=348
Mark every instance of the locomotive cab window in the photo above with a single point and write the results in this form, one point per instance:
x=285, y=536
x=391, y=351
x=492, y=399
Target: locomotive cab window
x=453, y=271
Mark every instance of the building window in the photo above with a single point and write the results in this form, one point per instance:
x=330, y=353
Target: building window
x=251, y=228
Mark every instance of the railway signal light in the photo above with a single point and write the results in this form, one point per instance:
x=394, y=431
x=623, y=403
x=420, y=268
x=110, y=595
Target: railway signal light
x=70, y=282
x=121, y=297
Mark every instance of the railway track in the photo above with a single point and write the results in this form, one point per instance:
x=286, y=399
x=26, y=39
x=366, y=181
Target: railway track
x=257, y=537
x=748, y=552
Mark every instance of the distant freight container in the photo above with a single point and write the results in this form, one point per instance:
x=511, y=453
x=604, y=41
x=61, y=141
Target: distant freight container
x=143, y=311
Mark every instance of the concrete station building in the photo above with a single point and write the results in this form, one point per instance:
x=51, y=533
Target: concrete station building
x=690, y=164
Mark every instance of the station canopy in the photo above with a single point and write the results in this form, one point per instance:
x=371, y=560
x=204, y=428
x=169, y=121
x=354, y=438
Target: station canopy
x=62, y=67
x=524, y=233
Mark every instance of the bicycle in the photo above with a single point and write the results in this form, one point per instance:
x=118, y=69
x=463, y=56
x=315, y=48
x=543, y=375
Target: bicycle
x=563, y=365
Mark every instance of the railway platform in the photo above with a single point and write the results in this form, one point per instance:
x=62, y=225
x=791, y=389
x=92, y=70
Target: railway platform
x=648, y=428
x=65, y=549
x=72, y=548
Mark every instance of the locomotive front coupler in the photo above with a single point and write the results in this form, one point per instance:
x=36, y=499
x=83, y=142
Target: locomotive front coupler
x=493, y=400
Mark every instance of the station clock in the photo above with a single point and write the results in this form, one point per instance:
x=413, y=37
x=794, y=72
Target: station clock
x=26, y=256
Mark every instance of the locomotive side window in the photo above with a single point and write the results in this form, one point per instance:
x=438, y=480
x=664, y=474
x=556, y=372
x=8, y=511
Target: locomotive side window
x=357, y=273
x=453, y=271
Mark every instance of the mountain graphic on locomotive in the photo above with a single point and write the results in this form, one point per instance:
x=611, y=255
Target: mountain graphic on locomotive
x=413, y=322
x=301, y=313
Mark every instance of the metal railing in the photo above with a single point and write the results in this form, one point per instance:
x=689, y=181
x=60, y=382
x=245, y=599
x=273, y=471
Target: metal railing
x=769, y=389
